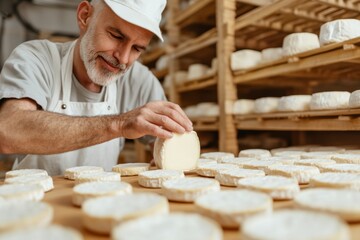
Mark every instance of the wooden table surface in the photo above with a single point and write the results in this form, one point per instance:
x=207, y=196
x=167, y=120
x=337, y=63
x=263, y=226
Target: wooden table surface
x=65, y=213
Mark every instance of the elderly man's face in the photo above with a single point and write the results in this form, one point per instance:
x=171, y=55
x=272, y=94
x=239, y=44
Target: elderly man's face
x=110, y=46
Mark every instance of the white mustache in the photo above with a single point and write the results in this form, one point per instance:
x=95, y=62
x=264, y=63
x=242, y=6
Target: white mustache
x=113, y=62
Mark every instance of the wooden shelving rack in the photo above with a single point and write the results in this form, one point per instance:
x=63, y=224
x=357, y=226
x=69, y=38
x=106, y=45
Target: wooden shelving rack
x=228, y=25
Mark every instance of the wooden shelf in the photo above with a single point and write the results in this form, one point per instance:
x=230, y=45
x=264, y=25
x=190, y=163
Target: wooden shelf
x=335, y=120
x=153, y=55
x=205, y=123
x=160, y=73
x=197, y=84
x=205, y=40
x=191, y=14
x=346, y=54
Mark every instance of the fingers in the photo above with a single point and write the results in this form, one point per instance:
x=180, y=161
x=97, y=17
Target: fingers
x=166, y=123
x=176, y=117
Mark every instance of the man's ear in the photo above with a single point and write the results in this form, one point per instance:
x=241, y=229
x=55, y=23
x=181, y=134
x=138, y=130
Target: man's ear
x=84, y=12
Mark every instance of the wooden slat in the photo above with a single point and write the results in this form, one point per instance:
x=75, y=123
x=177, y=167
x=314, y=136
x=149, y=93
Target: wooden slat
x=191, y=11
x=200, y=83
x=160, y=73
x=316, y=124
x=205, y=123
x=152, y=55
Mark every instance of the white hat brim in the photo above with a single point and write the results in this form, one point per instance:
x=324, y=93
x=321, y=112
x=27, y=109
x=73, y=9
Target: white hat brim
x=132, y=16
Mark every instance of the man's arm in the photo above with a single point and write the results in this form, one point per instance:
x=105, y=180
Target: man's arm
x=25, y=129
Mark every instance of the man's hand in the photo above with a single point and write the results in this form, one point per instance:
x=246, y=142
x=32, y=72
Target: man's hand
x=158, y=119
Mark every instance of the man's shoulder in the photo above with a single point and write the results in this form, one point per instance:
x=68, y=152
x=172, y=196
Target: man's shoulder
x=43, y=47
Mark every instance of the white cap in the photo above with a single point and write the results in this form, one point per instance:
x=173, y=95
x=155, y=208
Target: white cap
x=143, y=13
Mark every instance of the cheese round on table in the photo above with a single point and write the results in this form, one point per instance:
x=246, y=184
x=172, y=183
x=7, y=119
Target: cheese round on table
x=46, y=182
x=23, y=172
x=85, y=191
x=294, y=103
x=279, y=188
x=282, y=159
x=210, y=170
x=301, y=173
x=155, y=178
x=24, y=214
x=244, y=59
x=336, y=180
x=188, y=189
x=74, y=172
x=341, y=167
x=316, y=162
x=266, y=105
x=230, y=177
x=285, y=149
x=101, y=214
x=230, y=208
x=218, y=156
x=354, y=100
x=238, y=161
x=300, y=42
x=330, y=100
x=289, y=154
x=53, y=232
x=175, y=226
x=255, y=153
x=244, y=106
x=197, y=71
x=321, y=155
x=347, y=158
x=339, y=30
x=260, y=164
x=326, y=149
x=130, y=169
x=98, y=177
x=271, y=54
x=180, y=152
x=26, y=192
x=202, y=161
x=295, y=225
x=342, y=202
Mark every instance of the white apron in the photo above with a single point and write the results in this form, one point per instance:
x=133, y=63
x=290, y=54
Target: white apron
x=105, y=154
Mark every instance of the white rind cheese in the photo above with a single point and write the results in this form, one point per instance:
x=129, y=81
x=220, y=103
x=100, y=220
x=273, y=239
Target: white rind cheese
x=266, y=105
x=85, y=191
x=204, y=161
x=230, y=177
x=271, y=54
x=354, y=101
x=25, y=192
x=244, y=59
x=300, y=42
x=255, y=153
x=243, y=106
x=316, y=162
x=230, y=208
x=347, y=158
x=101, y=214
x=24, y=214
x=218, y=156
x=279, y=188
x=45, y=182
x=342, y=202
x=130, y=169
x=155, y=178
x=301, y=173
x=188, y=189
x=339, y=30
x=341, y=168
x=180, y=152
x=197, y=71
x=210, y=170
x=175, y=226
x=336, y=180
x=23, y=172
x=53, y=232
x=238, y=161
x=261, y=164
x=98, y=177
x=320, y=155
x=74, y=172
x=330, y=100
x=295, y=224
x=294, y=103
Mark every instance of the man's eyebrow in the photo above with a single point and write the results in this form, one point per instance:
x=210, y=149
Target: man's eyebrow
x=123, y=35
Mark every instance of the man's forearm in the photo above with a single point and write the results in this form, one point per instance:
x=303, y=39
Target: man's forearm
x=41, y=132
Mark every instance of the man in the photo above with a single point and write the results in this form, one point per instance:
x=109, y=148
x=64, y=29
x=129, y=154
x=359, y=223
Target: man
x=72, y=104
